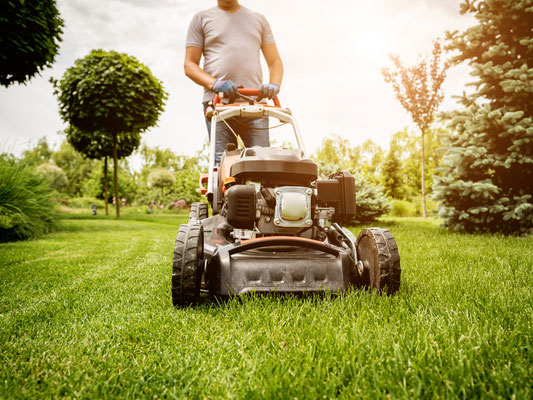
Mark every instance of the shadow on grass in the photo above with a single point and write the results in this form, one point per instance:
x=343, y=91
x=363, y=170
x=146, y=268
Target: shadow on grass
x=208, y=302
x=111, y=225
x=156, y=219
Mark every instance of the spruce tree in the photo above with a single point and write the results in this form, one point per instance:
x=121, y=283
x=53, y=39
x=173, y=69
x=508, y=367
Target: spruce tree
x=391, y=173
x=487, y=170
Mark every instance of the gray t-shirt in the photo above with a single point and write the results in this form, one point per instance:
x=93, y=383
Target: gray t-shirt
x=231, y=44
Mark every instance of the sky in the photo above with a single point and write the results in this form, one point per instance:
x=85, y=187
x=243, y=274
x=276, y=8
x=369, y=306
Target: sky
x=332, y=52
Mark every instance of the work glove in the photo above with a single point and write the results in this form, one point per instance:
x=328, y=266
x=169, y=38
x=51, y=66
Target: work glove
x=269, y=90
x=228, y=88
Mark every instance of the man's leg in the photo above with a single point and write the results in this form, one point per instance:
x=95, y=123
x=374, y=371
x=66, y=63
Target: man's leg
x=253, y=131
x=224, y=136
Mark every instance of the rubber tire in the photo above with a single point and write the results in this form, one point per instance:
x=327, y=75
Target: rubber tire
x=187, y=265
x=378, y=250
x=199, y=211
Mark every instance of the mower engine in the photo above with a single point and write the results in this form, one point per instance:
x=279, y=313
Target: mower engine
x=270, y=195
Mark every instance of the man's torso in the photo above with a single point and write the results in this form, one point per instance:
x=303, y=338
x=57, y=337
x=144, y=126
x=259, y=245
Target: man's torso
x=231, y=44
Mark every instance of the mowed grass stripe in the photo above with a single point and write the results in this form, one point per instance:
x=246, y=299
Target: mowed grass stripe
x=87, y=313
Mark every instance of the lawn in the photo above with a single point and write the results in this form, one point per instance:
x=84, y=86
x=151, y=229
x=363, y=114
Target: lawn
x=86, y=312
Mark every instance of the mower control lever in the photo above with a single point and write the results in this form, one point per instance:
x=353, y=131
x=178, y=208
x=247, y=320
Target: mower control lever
x=244, y=93
x=240, y=95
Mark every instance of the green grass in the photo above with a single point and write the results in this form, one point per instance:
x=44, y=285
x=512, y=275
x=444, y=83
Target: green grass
x=86, y=312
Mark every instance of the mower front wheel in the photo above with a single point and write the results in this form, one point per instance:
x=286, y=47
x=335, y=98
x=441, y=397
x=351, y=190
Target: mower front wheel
x=187, y=265
x=378, y=251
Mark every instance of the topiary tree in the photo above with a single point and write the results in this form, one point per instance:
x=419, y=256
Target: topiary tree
x=113, y=94
x=418, y=89
x=161, y=178
x=487, y=170
x=53, y=174
x=95, y=145
x=30, y=33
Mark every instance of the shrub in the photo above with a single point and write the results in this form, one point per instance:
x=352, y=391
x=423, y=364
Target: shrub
x=178, y=205
x=53, y=174
x=403, y=208
x=431, y=206
x=27, y=206
x=370, y=200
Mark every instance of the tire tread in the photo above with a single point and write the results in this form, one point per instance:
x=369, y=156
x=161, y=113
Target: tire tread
x=186, y=268
x=389, y=259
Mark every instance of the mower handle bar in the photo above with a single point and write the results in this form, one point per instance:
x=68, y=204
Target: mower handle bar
x=246, y=92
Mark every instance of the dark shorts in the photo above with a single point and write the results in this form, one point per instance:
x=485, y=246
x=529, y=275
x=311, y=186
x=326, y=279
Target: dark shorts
x=252, y=131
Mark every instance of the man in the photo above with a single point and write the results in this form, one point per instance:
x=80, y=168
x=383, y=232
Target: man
x=230, y=37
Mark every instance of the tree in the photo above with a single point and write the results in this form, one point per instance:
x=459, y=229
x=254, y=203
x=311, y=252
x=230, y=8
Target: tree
x=53, y=174
x=95, y=186
x=186, y=170
x=371, y=160
x=76, y=167
x=95, y=145
x=487, y=170
x=41, y=153
x=161, y=178
x=30, y=33
x=408, y=150
x=418, y=89
x=113, y=94
x=187, y=176
x=336, y=154
x=391, y=173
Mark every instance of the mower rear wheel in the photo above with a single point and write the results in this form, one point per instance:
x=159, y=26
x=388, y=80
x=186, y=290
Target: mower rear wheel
x=378, y=251
x=199, y=211
x=187, y=265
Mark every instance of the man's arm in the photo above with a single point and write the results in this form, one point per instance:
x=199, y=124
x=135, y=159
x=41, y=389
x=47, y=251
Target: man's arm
x=275, y=65
x=193, y=70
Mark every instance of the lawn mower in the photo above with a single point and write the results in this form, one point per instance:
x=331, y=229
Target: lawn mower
x=275, y=225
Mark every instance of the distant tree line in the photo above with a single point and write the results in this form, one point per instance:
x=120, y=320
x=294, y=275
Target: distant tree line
x=164, y=176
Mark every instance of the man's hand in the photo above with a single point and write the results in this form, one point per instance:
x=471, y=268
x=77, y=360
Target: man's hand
x=269, y=90
x=228, y=88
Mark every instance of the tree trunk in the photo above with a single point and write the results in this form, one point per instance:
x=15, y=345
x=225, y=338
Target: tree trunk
x=106, y=195
x=424, y=209
x=115, y=175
